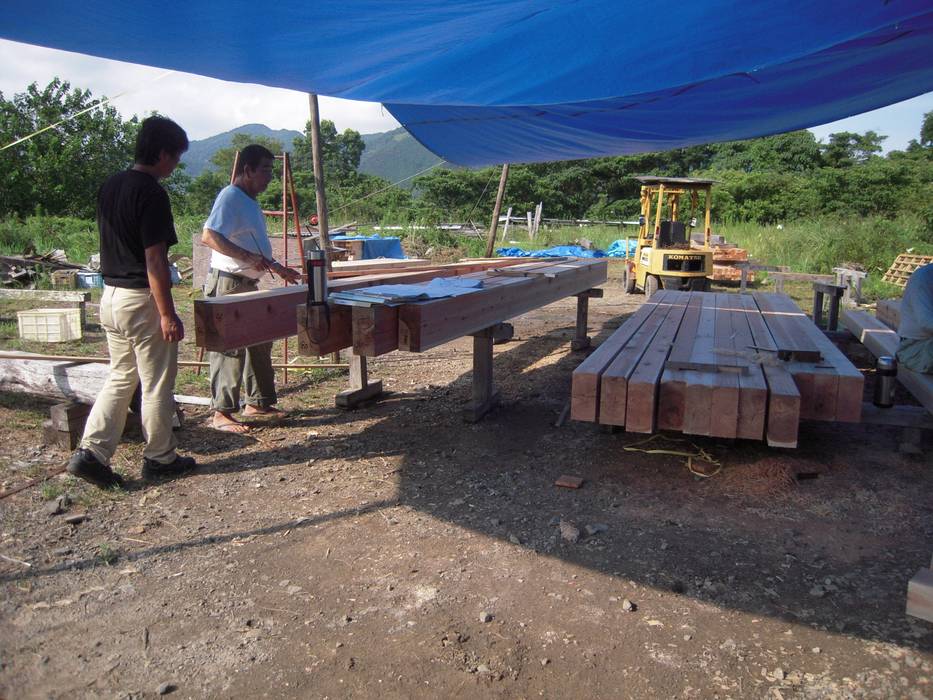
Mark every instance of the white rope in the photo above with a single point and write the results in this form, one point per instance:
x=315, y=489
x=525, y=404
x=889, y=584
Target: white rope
x=388, y=187
x=83, y=111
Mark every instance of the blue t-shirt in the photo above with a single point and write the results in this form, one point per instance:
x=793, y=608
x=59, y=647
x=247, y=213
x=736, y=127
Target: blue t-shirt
x=917, y=305
x=238, y=217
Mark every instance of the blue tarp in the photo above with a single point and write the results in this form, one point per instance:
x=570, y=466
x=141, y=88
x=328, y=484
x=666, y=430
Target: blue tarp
x=375, y=246
x=393, y=294
x=617, y=249
x=558, y=251
x=490, y=81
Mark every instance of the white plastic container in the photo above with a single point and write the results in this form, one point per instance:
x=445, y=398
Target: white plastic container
x=50, y=325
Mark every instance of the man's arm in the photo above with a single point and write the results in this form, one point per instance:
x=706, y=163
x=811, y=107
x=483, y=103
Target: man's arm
x=160, y=283
x=216, y=241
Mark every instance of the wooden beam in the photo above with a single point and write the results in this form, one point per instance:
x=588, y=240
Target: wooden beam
x=920, y=595
x=375, y=330
x=881, y=340
x=614, y=382
x=425, y=325
x=888, y=311
x=641, y=403
x=783, y=395
x=585, y=391
x=753, y=388
x=491, y=238
x=672, y=389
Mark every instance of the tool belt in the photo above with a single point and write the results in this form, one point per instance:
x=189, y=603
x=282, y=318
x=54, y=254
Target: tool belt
x=228, y=275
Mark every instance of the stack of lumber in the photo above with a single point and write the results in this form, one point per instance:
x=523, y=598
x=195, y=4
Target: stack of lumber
x=903, y=267
x=920, y=594
x=723, y=365
x=509, y=287
x=724, y=259
x=881, y=340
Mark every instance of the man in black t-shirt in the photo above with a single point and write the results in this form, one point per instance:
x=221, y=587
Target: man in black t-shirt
x=134, y=218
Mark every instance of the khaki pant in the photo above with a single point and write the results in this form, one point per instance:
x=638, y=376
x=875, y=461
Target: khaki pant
x=250, y=368
x=137, y=353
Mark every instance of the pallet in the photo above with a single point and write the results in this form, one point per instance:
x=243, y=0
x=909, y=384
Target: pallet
x=903, y=267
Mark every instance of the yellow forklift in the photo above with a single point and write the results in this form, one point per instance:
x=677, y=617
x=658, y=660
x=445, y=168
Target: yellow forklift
x=664, y=257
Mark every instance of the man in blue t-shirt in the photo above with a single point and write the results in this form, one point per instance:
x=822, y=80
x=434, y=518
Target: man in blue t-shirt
x=236, y=233
x=137, y=311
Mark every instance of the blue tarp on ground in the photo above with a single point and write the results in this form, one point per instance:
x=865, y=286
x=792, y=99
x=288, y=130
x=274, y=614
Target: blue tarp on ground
x=617, y=249
x=375, y=246
x=609, y=76
x=558, y=251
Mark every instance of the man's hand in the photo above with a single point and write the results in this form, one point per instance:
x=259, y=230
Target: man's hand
x=260, y=263
x=172, y=329
x=286, y=273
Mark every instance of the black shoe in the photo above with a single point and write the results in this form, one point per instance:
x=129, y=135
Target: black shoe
x=156, y=470
x=84, y=465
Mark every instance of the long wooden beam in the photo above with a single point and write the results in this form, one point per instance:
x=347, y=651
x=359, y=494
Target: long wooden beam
x=425, y=325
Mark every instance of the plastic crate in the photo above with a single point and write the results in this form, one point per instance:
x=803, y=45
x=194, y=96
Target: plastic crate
x=50, y=325
x=88, y=280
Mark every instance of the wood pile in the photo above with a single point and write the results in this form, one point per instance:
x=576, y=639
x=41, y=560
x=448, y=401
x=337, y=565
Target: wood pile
x=903, y=267
x=725, y=257
x=723, y=365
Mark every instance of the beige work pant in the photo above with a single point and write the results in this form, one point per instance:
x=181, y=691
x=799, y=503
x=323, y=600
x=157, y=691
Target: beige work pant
x=137, y=353
x=249, y=368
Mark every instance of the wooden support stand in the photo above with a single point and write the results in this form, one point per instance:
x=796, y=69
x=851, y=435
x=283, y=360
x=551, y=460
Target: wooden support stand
x=361, y=389
x=485, y=396
x=581, y=340
x=835, y=292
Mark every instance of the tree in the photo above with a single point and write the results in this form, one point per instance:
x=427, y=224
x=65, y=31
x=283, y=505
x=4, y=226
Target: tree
x=340, y=153
x=59, y=170
x=847, y=148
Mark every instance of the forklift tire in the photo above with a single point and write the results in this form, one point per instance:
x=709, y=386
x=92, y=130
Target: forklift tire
x=651, y=286
x=629, y=281
x=699, y=284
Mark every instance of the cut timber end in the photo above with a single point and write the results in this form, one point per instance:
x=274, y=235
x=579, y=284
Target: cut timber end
x=920, y=595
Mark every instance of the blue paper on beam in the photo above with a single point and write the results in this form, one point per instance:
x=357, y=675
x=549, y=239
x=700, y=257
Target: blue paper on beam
x=395, y=294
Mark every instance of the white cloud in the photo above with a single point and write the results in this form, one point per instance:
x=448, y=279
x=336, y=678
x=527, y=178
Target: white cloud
x=203, y=106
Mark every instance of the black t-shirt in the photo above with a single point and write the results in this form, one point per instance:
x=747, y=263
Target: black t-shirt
x=133, y=213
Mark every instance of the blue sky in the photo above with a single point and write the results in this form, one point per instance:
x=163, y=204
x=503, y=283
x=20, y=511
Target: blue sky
x=205, y=106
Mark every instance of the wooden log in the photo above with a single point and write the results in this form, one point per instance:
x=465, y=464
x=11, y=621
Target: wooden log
x=920, y=595
x=881, y=340
x=783, y=419
x=614, y=383
x=584, y=397
x=642, y=399
x=54, y=379
x=424, y=325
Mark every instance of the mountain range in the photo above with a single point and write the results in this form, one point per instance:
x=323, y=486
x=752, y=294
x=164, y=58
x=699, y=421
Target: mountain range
x=393, y=155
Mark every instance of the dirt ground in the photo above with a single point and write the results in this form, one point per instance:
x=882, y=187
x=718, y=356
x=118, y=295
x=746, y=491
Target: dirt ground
x=397, y=550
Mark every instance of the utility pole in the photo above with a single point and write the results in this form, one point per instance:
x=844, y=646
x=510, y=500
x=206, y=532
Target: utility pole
x=319, y=176
x=491, y=239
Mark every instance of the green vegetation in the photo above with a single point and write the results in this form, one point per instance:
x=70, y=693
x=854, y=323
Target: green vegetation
x=787, y=198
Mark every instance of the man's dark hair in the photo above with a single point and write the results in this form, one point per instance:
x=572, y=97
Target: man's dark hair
x=157, y=134
x=252, y=156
